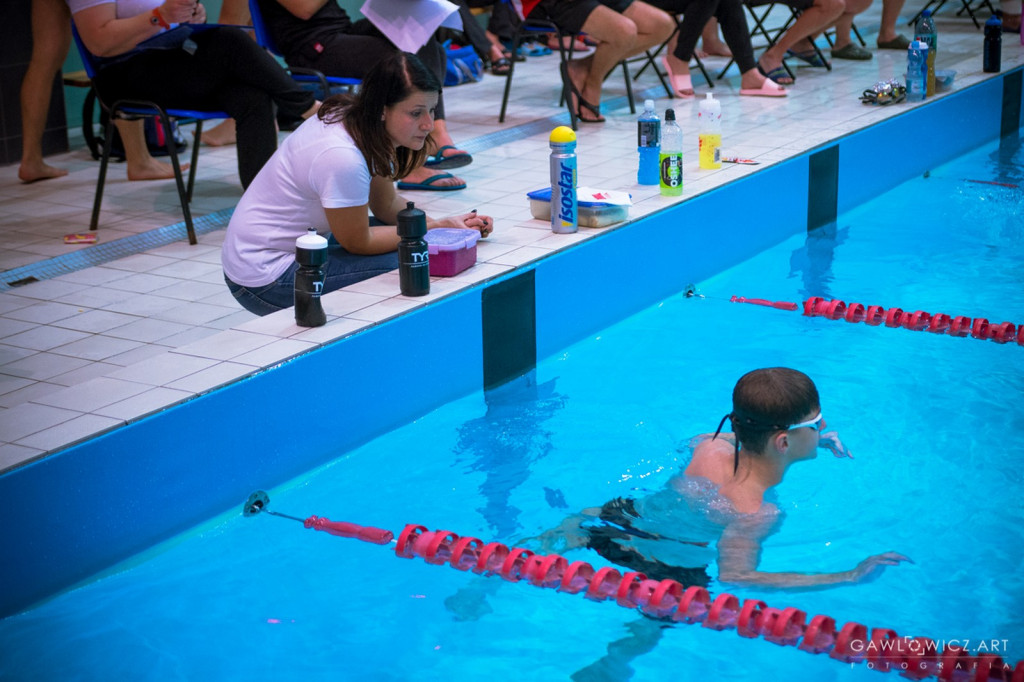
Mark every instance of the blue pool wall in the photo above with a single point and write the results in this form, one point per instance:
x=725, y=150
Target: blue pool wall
x=80, y=511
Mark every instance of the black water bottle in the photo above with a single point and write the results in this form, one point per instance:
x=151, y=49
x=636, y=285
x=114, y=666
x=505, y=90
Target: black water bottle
x=310, y=254
x=991, y=60
x=413, y=257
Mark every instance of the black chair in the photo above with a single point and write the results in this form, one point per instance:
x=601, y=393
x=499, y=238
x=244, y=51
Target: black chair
x=325, y=85
x=537, y=27
x=967, y=6
x=132, y=109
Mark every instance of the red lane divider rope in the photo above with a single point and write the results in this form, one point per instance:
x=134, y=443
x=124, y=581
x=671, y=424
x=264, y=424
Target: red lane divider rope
x=919, y=320
x=881, y=649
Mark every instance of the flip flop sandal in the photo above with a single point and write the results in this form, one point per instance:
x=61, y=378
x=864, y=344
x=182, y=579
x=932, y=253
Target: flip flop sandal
x=778, y=74
x=442, y=162
x=428, y=184
x=502, y=67
x=595, y=109
x=811, y=57
x=680, y=82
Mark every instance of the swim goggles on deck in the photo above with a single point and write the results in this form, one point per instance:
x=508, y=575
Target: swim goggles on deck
x=885, y=92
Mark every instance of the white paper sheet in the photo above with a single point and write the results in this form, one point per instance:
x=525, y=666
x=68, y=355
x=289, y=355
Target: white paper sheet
x=410, y=23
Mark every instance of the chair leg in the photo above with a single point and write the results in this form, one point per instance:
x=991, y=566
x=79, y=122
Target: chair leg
x=183, y=196
x=629, y=87
x=108, y=142
x=195, y=160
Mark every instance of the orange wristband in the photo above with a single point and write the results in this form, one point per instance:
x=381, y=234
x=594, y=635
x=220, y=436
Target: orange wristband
x=158, y=20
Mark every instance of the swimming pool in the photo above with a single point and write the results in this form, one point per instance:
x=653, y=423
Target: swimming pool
x=934, y=423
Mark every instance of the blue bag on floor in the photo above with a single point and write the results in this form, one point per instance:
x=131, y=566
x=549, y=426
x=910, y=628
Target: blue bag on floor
x=464, y=65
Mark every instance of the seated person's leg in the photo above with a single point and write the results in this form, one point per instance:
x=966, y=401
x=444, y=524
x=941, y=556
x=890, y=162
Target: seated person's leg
x=653, y=25
x=731, y=18
x=815, y=16
x=679, y=51
x=843, y=48
x=1011, y=15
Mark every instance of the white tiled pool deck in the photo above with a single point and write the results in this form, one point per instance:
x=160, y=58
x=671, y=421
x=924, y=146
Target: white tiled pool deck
x=89, y=350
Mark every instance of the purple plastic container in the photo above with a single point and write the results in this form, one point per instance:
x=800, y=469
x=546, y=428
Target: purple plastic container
x=452, y=250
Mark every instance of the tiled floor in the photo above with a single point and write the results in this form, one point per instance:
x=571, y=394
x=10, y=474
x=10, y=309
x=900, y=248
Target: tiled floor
x=144, y=320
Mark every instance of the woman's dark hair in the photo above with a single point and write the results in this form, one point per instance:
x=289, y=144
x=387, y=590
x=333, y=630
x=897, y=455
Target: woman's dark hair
x=766, y=401
x=390, y=81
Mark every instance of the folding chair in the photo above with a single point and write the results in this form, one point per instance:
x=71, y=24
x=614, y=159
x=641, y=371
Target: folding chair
x=145, y=109
x=648, y=59
x=967, y=6
x=326, y=84
x=538, y=26
x=759, y=11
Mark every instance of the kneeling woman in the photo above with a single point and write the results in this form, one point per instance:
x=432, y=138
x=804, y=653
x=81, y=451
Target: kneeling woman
x=331, y=173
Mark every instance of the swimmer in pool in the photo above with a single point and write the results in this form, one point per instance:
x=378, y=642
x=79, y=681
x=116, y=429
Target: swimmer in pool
x=776, y=422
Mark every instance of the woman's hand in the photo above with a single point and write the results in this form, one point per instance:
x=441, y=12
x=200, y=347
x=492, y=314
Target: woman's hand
x=872, y=567
x=471, y=220
x=181, y=11
x=198, y=14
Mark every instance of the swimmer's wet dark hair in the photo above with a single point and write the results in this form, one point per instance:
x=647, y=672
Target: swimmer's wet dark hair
x=766, y=401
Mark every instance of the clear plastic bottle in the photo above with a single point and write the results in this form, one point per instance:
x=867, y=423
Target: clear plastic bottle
x=671, y=157
x=709, y=127
x=992, y=54
x=564, y=202
x=310, y=254
x=924, y=31
x=916, y=69
x=648, y=145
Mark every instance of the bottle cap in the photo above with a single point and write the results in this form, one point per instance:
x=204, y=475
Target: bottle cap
x=311, y=248
x=670, y=115
x=649, y=104
x=412, y=222
x=710, y=96
x=994, y=21
x=563, y=135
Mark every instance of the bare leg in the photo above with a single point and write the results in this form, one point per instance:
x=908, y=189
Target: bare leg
x=890, y=15
x=678, y=69
x=141, y=164
x=813, y=20
x=710, y=43
x=844, y=24
x=51, y=39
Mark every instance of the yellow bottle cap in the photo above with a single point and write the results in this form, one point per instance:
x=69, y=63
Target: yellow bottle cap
x=563, y=134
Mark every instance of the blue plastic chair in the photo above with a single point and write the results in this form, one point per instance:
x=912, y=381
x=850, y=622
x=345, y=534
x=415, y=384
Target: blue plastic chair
x=142, y=108
x=326, y=84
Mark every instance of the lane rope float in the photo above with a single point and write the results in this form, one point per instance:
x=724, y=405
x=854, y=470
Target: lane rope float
x=881, y=649
x=918, y=320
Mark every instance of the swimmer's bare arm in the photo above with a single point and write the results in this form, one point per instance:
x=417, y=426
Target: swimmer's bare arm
x=569, y=534
x=739, y=554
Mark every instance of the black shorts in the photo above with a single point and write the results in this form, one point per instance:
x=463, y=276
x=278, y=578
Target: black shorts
x=570, y=15
x=608, y=542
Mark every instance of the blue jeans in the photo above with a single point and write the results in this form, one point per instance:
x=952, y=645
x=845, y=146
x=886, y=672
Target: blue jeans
x=343, y=268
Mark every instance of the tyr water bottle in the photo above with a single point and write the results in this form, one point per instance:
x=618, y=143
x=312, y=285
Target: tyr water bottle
x=916, y=71
x=310, y=254
x=670, y=167
x=709, y=126
x=648, y=144
x=564, y=206
x=992, y=55
x=413, y=254
x=925, y=32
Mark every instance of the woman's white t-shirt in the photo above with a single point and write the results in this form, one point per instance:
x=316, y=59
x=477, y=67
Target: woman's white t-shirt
x=318, y=166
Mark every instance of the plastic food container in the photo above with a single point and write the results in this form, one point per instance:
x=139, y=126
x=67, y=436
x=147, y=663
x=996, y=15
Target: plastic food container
x=452, y=250
x=591, y=213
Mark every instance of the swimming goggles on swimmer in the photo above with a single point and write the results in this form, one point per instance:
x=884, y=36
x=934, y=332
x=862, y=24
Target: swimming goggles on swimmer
x=817, y=424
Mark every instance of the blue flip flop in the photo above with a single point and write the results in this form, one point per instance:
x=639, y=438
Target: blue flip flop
x=428, y=184
x=778, y=74
x=440, y=161
x=810, y=57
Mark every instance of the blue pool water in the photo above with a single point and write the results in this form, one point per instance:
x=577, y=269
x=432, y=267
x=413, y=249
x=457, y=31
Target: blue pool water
x=935, y=424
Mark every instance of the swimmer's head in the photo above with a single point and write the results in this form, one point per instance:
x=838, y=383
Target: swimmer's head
x=766, y=401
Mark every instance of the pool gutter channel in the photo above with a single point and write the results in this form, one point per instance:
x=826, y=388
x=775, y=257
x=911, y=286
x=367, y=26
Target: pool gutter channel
x=79, y=511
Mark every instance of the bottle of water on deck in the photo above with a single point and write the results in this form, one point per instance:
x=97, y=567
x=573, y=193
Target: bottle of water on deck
x=648, y=143
x=924, y=31
x=916, y=70
x=709, y=127
x=311, y=255
x=993, y=50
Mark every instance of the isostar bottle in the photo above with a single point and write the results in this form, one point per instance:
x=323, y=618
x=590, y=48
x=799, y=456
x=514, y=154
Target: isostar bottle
x=564, y=206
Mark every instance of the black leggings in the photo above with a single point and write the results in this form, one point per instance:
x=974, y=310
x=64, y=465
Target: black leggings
x=227, y=72
x=697, y=13
x=353, y=54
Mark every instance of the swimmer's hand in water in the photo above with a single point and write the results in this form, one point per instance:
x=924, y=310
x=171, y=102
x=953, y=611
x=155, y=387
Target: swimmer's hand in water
x=830, y=441
x=872, y=567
